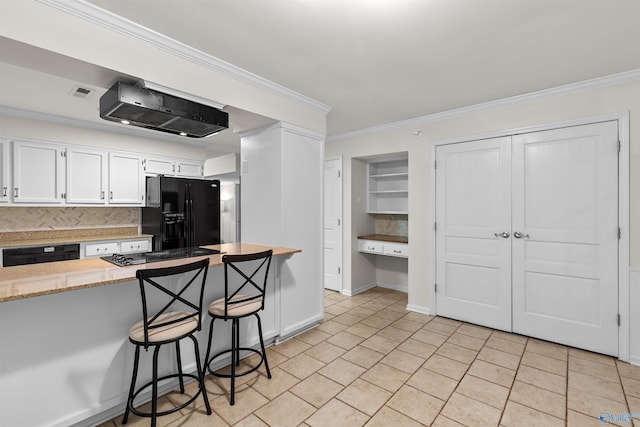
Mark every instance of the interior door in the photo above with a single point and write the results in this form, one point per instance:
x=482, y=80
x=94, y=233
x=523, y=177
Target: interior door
x=332, y=222
x=565, y=229
x=473, y=220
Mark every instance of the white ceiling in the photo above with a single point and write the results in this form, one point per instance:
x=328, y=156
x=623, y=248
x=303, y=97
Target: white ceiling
x=381, y=61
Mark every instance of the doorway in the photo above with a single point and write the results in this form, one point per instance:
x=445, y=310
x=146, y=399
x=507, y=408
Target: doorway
x=333, y=223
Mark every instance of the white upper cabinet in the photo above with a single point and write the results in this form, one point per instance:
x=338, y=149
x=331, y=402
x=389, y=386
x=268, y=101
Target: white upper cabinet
x=38, y=172
x=388, y=186
x=86, y=176
x=4, y=171
x=173, y=167
x=126, y=179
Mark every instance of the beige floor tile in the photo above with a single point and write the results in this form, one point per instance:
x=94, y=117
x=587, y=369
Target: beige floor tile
x=350, y=303
x=362, y=312
x=432, y=383
x=456, y=352
x=376, y=322
x=285, y=410
x=500, y=358
x=447, y=321
x=390, y=314
x=577, y=419
x=302, y=365
x=246, y=403
x=595, y=369
x=506, y=345
x=592, y=405
x=361, y=330
x=445, y=366
x=403, y=361
x=627, y=370
x=542, y=379
x=441, y=328
x=325, y=352
x=337, y=414
x=386, y=417
x=429, y=337
x=407, y=324
x=384, y=376
x=332, y=327
x=545, y=363
x=631, y=386
x=342, y=371
x=347, y=319
x=380, y=344
x=549, y=349
x=345, y=340
x=314, y=336
x=417, y=348
x=538, y=398
x=291, y=347
x=363, y=356
x=595, y=385
x=442, y=421
x=470, y=412
x=317, y=389
x=493, y=373
x=594, y=357
x=508, y=336
x=197, y=418
x=634, y=406
x=484, y=391
x=364, y=396
x=164, y=404
x=418, y=317
x=517, y=415
x=280, y=382
x=416, y=404
x=376, y=305
x=394, y=334
x=250, y=421
x=475, y=331
x=336, y=309
x=466, y=341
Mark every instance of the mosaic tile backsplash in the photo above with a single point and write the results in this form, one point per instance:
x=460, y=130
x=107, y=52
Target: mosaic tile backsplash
x=63, y=218
x=392, y=225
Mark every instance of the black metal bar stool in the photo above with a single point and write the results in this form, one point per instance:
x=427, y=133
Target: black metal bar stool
x=240, y=301
x=168, y=327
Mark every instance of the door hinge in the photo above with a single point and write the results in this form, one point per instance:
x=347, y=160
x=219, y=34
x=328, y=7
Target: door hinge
x=338, y=221
x=63, y=195
x=435, y=226
x=338, y=174
x=63, y=153
x=435, y=287
x=338, y=270
x=619, y=146
x=619, y=320
x=435, y=165
x=619, y=233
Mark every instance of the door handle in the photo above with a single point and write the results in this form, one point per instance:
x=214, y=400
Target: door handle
x=519, y=235
x=504, y=234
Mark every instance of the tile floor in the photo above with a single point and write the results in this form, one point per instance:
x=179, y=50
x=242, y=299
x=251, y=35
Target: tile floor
x=371, y=362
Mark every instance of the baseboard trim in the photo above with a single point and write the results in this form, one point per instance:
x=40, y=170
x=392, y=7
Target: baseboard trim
x=419, y=309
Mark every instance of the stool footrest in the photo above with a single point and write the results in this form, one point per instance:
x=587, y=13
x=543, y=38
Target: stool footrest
x=169, y=411
x=237, y=374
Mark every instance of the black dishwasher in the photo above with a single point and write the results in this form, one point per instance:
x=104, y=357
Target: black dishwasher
x=38, y=254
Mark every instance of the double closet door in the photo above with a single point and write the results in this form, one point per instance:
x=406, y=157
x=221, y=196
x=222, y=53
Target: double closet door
x=527, y=234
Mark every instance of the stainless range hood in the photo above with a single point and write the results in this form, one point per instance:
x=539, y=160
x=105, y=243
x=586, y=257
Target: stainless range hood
x=137, y=106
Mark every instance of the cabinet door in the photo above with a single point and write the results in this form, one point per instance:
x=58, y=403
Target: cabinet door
x=160, y=166
x=86, y=175
x=38, y=172
x=126, y=179
x=4, y=171
x=189, y=168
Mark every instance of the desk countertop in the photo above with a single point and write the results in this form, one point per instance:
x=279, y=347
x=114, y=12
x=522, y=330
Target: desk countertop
x=385, y=238
x=26, y=281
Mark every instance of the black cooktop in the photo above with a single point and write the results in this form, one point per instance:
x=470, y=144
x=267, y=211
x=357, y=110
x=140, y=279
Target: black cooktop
x=123, y=260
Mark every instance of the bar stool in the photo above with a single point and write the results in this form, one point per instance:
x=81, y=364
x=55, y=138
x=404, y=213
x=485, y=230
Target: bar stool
x=238, y=302
x=162, y=326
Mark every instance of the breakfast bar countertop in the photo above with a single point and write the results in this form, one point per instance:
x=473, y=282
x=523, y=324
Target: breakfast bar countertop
x=26, y=281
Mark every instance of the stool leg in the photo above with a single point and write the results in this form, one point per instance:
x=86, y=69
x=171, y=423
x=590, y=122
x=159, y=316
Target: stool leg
x=154, y=387
x=264, y=352
x=206, y=358
x=234, y=327
x=238, y=342
x=179, y=360
x=133, y=385
x=201, y=374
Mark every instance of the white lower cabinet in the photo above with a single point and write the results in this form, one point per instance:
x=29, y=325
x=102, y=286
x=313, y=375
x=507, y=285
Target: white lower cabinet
x=97, y=249
x=380, y=247
x=100, y=249
x=134, y=246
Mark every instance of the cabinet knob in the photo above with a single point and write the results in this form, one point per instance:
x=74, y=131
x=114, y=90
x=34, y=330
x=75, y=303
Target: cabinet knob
x=15, y=192
x=4, y=191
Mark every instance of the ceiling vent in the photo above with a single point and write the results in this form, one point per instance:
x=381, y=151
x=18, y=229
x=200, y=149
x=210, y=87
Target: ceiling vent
x=137, y=106
x=81, y=92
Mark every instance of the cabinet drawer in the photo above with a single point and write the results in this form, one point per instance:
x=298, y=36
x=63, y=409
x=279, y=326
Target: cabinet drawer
x=134, y=246
x=100, y=249
x=396, y=249
x=370, y=246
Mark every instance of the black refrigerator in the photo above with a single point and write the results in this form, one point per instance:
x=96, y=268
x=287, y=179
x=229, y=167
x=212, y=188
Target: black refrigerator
x=182, y=212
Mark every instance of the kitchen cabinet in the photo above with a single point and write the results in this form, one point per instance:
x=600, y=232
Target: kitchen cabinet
x=378, y=247
x=38, y=172
x=388, y=186
x=4, y=171
x=86, y=175
x=126, y=179
x=173, y=167
x=95, y=249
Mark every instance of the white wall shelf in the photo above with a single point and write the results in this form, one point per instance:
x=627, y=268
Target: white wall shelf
x=388, y=186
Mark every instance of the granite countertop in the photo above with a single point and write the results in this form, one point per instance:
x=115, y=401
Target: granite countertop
x=26, y=281
x=55, y=237
x=385, y=238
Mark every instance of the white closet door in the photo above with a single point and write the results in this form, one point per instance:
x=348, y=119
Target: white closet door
x=332, y=221
x=473, y=210
x=565, y=264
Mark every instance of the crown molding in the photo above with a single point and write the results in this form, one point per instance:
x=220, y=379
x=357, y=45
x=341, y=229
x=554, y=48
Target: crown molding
x=128, y=28
x=599, y=82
